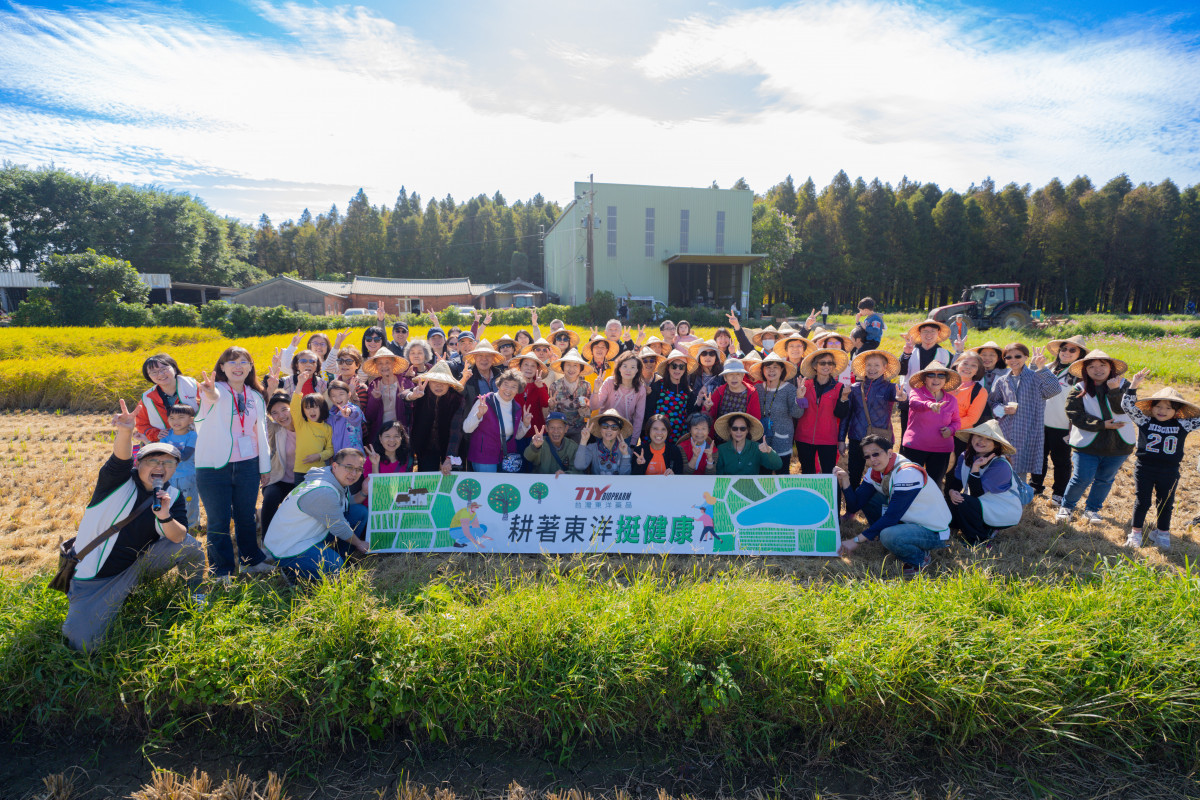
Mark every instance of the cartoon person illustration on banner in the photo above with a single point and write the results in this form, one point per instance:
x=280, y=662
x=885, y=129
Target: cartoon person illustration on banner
x=707, y=509
x=465, y=527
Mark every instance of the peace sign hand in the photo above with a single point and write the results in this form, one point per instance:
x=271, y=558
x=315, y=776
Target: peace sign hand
x=733, y=321
x=208, y=384
x=1137, y=379
x=1039, y=361
x=277, y=359
x=371, y=454
x=488, y=319
x=623, y=447
x=480, y=407
x=801, y=388
x=641, y=458
x=296, y=339
x=417, y=392
x=125, y=419
x=341, y=337
x=538, y=437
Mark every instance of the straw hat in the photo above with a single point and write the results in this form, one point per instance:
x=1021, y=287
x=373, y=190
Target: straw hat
x=573, y=334
x=756, y=369
x=1053, y=346
x=572, y=357
x=752, y=357
x=914, y=333
x=689, y=363
x=988, y=430
x=506, y=340
x=841, y=360
x=658, y=345
x=484, y=348
x=781, y=344
x=586, y=350
x=988, y=346
x=1184, y=409
x=440, y=373
x=513, y=362
x=953, y=379
x=721, y=426
x=611, y=413
x=650, y=352
x=1119, y=366
x=825, y=336
x=890, y=370
x=758, y=336
x=527, y=349
x=695, y=348
x=371, y=365
x=785, y=330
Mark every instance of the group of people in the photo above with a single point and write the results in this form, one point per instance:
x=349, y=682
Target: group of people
x=977, y=429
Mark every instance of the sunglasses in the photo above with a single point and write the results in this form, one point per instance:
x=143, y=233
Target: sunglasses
x=306, y=361
x=1014, y=357
x=346, y=361
x=374, y=337
x=824, y=363
x=676, y=366
x=738, y=428
x=1065, y=349
x=611, y=426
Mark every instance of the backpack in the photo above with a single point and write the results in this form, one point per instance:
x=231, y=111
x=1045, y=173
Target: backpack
x=1021, y=489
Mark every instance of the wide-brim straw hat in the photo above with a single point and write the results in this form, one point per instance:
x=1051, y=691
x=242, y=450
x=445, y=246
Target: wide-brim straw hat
x=988, y=346
x=586, y=350
x=440, y=373
x=1053, y=346
x=721, y=426
x=890, y=370
x=841, y=360
x=786, y=329
x=658, y=345
x=781, y=344
x=757, y=338
x=914, y=333
x=697, y=347
x=573, y=334
x=515, y=362
x=753, y=356
x=484, y=348
x=988, y=430
x=611, y=413
x=1119, y=366
x=756, y=369
x=371, y=365
x=572, y=357
x=820, y=339
x=555, y=349
x=953, y=379
x=1184, y=409
x=650, y=352
x=689, y=363
x=508, y=340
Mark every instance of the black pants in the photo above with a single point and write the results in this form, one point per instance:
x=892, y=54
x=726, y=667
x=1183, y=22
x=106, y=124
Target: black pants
x=811, y=454
x=1160, y=480
x=1059, y=453
x=784, y=469
x=272, y=497
x=903, y=406
x=856, y=465
x=967, y=518
x=935, y=464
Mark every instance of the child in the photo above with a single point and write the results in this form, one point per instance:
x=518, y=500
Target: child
x=184, y=438
x=388, y=455
x=699, y=451
x=314, y=436
x=1163, y=420
x=345, y=418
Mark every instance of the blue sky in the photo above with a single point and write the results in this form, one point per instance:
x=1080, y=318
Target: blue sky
x=275, y=105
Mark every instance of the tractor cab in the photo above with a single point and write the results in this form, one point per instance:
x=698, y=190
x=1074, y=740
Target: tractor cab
x=989, y=305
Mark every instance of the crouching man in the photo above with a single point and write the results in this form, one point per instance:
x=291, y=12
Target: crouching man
x=316, y=526
x=905, y=509
x=149, y=542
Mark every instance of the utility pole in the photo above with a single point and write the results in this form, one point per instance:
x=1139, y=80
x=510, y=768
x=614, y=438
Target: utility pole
x=589, y=263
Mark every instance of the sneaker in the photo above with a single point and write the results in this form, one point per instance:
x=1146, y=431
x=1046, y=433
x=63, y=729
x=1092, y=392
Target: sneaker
x=1063, y=514
x=1092, y=517
x=912, y=572
x=1134, y=539
x=1162, y=540
x=1056, y=499
x=260, y=568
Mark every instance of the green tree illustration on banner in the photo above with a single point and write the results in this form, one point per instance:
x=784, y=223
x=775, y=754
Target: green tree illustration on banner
x=539, y=492
x=469, y=489
x=504, y=498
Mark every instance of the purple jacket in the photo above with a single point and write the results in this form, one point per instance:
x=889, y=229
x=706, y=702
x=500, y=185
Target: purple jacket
x=375, y=407
x=485, y=446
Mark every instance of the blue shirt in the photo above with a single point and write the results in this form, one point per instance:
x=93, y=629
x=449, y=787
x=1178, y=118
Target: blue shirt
x=873, y=325
x=186, y=444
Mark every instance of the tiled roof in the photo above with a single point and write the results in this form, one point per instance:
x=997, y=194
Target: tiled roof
x=410, y=287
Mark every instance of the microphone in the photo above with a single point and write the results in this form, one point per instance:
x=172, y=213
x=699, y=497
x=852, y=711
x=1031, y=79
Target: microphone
x=157, y=505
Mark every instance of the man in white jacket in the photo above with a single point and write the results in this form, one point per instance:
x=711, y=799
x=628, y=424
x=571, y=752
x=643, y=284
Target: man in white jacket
x=312, y=532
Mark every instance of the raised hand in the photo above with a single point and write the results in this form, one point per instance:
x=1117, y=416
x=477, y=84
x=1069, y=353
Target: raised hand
x=277, y=359
x=733, y=321
x=346, y=410
x=812, y=319
x=480, y=407
x=125, y=419
x=538, y=437
x=467, y=374
x=1137, y=379
x=1039, y=361
x=377, y=391
x=417, y=392
x=623, y=447
x=585, y=435
x=380, y=316
x=1114, y=382
x=641, y=335
x=901, y=393
x=801, y=388
x=533, y=317
x=296, y=339
x=845, y=391
x=908, y=347
x=208, y=384
x=763, y=447
x=374, y=456
x=960, y=344
x=273, y=372
x=488, y=319
x=341, y=337
x=641, y=458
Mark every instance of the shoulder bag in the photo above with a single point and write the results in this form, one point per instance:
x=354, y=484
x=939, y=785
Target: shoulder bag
x=68, y=559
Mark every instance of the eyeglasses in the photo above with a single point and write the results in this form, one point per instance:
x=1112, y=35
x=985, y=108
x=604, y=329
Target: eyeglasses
x=541, y=350
x=350, y=469
x=374, y=337
x=346, y=361
x=611, y=426
x=156, y=366
x=243, y=363
x=159, y=462
x=1014, y=357
x=452, y=342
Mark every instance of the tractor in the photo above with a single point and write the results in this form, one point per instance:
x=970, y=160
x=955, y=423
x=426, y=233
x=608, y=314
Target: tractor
x=988, y=305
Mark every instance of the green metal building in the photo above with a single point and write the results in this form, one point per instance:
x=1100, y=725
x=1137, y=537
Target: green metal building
x=685, y=247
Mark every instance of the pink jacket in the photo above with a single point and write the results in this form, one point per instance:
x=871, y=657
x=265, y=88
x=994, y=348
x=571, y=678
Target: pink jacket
x=925, y=424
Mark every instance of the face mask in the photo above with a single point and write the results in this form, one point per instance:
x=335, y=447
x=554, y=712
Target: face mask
x=768, y=343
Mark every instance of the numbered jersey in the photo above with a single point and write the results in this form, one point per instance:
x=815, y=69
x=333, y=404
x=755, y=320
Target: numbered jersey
x=1161, y=442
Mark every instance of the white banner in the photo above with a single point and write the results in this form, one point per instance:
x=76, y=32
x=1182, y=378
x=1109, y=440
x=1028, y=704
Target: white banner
x=513, y=513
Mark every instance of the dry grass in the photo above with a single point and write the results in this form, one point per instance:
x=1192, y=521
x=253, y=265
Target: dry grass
x=48, y=465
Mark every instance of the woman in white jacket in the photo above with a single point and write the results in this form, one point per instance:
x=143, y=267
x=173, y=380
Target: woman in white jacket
x=232, y=460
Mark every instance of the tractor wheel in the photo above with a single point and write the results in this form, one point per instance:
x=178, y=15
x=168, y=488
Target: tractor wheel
x=1014, y=319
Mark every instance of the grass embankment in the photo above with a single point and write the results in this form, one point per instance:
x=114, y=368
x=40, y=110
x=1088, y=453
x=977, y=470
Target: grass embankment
x=744, y=664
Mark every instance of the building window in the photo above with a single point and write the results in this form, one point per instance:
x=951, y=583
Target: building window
x=372, y=305
x=683, y=230
x=612, y=231
x=649, y=233
x=720, y=232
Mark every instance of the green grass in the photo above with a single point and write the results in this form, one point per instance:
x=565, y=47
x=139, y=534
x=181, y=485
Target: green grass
x=748, y=665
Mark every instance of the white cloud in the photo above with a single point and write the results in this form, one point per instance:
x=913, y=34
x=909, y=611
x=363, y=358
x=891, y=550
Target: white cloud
x=347, y=98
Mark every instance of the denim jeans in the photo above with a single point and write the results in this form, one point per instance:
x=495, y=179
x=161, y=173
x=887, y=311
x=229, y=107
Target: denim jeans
x=329, y=556
x=230, y=492
x=907, y=541
x=484, y=467
x=1099, y=472
x=187, y=488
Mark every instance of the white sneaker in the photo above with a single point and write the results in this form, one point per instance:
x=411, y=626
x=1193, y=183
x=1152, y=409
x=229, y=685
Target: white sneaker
x=1063, y=514
x=1162, y=540
x=259, y=568
x=1134, y=539
x=1092, y=517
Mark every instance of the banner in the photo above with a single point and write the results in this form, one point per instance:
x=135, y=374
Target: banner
x=515, y=513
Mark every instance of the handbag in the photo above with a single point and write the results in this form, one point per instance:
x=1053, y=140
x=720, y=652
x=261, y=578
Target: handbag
x=509, y=462
x=68, y=559
x=873, y=429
